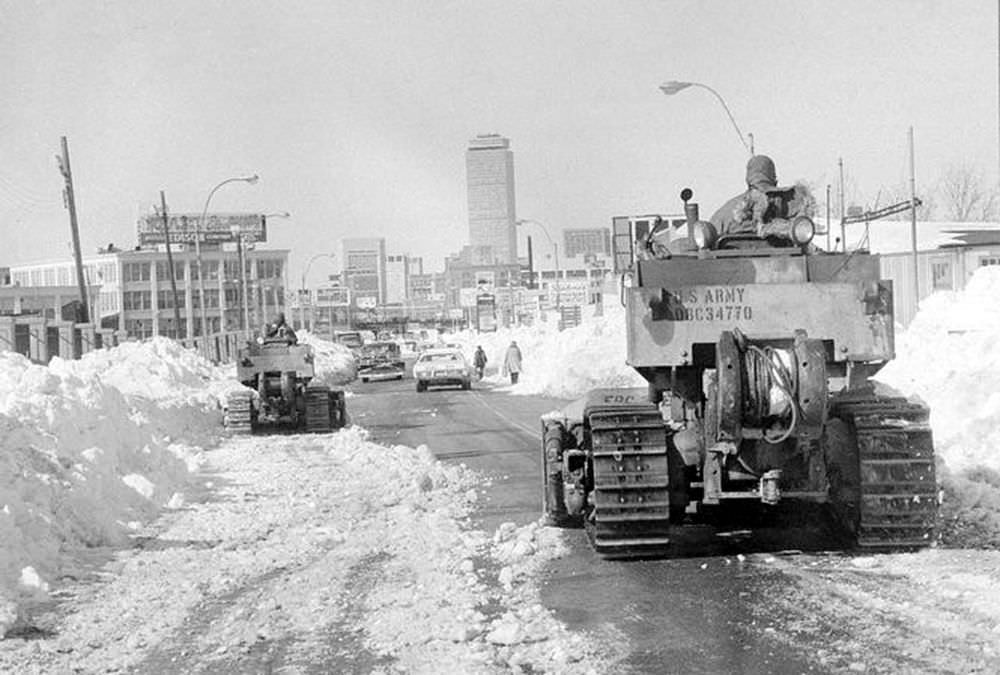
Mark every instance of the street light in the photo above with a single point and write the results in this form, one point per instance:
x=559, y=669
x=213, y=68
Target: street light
x=197, y=245
x=673, y=86
x=305, y=273
x=555, y=250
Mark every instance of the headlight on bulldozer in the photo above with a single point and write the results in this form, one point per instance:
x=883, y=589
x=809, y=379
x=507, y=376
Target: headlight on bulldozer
x=803, y=230
x=704, y=234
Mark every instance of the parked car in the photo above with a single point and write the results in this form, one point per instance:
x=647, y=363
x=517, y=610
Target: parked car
x=380, y=361
x=442, y=366
x=350, y=339
x=387, y=370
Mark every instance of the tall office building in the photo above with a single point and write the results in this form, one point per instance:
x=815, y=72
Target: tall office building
x=364, y=269
x=489, y=165
x=398, y=269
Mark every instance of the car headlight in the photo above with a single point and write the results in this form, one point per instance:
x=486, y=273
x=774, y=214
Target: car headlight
x=704, y=234
x=803, y=230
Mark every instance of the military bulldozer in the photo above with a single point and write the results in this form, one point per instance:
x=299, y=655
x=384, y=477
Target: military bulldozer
x=280, y=391
x=757, y=350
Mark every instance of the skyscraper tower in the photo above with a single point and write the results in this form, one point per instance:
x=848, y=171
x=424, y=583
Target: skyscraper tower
x=489, y=165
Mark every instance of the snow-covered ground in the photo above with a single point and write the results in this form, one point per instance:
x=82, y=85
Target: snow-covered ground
x=311, y=539
x=94, y=450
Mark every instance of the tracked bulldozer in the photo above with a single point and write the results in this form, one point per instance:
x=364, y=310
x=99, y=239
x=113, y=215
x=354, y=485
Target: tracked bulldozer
x=757, y=349
x=280, y=391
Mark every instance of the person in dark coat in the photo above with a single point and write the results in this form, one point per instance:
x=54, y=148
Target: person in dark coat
x=281, y=331
x=479, y=361
x=764, y=209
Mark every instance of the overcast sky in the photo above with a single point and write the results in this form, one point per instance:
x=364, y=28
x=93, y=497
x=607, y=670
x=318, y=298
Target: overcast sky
x=356, y=114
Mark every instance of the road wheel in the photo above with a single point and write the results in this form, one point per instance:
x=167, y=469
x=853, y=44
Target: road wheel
x=466, y=385
x=364, y=379
x=421, y=386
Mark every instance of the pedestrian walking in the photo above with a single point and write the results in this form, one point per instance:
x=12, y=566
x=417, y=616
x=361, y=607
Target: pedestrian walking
x=479, y=361
x=512, y=362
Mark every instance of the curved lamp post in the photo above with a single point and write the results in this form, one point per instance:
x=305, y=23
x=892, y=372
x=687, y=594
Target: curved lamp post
x=555, y=250
x=305, y=273
x=197, y=245
x=313, y=259
x=673, y=86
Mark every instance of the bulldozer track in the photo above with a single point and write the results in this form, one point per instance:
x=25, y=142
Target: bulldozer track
x=899, y=502
x=319, y=409
x=631, y=501
x=238, y=415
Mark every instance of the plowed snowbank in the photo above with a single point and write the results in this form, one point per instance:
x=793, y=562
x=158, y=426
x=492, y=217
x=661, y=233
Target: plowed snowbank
x=91, y=447
x=950, y=357
x=562, y=364
x=334, y=365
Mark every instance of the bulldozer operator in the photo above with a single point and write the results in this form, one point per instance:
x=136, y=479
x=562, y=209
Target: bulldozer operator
x=764, y=209
x=280, y=331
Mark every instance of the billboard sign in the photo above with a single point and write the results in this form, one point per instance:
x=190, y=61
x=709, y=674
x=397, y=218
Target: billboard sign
x=486, y=313
x=335, y=296
x=218, y=227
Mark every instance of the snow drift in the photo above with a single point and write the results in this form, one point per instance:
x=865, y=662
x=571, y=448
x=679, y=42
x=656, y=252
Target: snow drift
x=950, y=357
x=561, y=364
x=92, y=447
x=334, y=364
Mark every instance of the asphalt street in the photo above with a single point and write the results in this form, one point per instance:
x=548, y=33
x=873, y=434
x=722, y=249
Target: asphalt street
x=694, y=615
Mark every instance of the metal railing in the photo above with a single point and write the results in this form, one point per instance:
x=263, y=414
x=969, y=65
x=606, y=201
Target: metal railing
x=75, y=340
x=219, y=347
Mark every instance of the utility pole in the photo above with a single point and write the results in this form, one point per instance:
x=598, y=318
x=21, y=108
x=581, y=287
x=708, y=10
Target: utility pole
x=843, y=229
x=170, y=263
x=913, y=227
x=67, y=173
x=531, y=268
x=827, y=216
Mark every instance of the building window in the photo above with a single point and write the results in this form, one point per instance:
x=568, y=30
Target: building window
x=136, y=271
x=211, y=298
x=268, y=269
x=165, y=299
x=211, y=268
x=163, y=271
x=137, y=300
x=231, y=269
x=169, y=328
x=139, y=328
x=941, y=276
x=989, y=260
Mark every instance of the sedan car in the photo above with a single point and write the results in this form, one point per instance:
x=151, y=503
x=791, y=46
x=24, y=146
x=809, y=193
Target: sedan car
x=387, y=370
x=442, y=366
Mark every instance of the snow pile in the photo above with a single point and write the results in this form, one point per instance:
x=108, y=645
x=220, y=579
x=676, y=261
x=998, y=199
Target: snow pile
x=561, y=364
x=334, y=365
x=318, y=540
x=950, y=357
x=92, y=447
x=429, y=607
